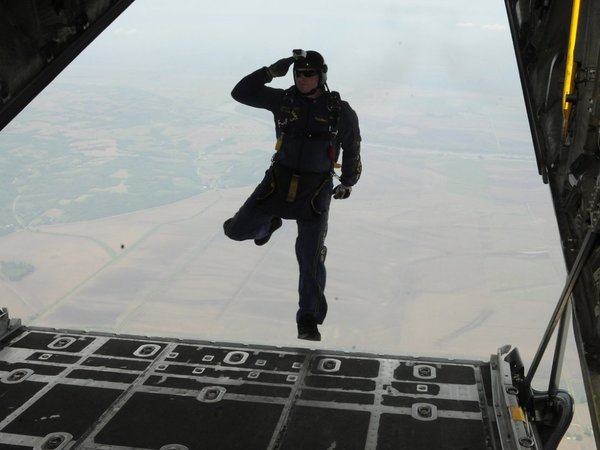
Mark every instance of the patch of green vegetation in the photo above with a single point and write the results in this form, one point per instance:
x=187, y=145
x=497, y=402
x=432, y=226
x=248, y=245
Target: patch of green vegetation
x=14, y=270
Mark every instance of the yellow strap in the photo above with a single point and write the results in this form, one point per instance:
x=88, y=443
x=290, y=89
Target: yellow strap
x=279, y=142
x=293, y=190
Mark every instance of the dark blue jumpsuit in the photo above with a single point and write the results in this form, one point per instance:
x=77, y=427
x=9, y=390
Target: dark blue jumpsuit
x=305, y=161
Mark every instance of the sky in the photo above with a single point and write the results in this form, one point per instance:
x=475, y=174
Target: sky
x=391, y=60
x=463, y=45
x=451, y=220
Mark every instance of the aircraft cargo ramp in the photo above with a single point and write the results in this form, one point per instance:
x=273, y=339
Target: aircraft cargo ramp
x=64, y=390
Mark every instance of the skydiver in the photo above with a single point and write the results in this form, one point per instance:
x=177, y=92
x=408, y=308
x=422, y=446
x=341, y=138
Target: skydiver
x=312, y=124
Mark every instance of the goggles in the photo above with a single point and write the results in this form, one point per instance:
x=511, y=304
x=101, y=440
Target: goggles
x=305, y=72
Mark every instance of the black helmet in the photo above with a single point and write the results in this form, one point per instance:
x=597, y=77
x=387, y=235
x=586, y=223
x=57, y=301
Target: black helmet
x=313, y=60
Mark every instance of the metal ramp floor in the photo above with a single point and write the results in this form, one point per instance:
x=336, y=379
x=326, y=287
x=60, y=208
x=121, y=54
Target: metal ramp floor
x=63, y=390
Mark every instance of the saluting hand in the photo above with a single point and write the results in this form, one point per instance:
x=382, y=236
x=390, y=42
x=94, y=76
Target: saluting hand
x=281, y=67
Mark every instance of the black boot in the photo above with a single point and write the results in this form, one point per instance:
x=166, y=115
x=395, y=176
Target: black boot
x=307, y=329
x=276, y=223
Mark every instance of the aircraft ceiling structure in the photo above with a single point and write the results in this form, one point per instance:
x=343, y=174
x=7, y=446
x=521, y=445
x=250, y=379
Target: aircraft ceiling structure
x=39, y=38
x=557, y=45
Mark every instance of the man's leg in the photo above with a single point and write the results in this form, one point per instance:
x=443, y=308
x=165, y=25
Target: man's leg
x=250, y=222
x=311, y=253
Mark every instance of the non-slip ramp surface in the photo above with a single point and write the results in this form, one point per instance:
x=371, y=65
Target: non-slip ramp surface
x=64, y=390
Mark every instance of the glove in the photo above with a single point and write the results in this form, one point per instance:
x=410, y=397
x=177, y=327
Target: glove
x=340, y=192
x=281, y=67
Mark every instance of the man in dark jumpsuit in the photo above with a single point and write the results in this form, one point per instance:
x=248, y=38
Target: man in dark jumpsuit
x=312, y=125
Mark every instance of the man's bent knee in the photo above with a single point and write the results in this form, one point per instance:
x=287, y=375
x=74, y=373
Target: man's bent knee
x=228, y=229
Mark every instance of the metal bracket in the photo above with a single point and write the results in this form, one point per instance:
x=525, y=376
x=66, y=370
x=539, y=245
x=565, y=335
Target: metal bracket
x=211, y=394
x=424, y=411
x=16, y=376
x=511, y=420
x=147, y=350
x=54, y=441
x=424, y=372
x=586, y=74
x=7, y=325
x=329, y=365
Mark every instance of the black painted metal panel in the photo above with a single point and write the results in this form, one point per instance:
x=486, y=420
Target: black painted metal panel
x=104, y=391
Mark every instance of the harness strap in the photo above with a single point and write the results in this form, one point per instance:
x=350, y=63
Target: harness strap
x=287, y=106
x=293, y=189
x=333, y=105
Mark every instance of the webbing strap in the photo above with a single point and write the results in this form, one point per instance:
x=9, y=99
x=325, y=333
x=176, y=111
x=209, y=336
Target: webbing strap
x=333, y=105
x=293, y=189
